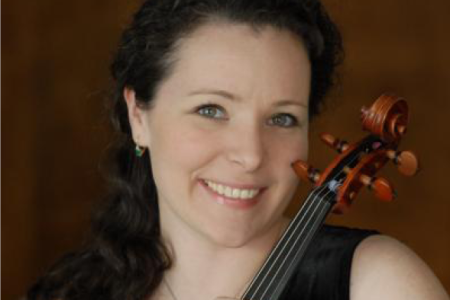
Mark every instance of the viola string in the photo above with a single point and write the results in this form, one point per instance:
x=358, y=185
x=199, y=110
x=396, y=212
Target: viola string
x=318, y=220
x=309, y=207
x=318, y=191
x=275, y=249
x=298, y=236
x=294, y=243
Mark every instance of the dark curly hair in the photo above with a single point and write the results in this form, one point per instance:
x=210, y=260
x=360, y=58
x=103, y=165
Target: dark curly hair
x=125, y=257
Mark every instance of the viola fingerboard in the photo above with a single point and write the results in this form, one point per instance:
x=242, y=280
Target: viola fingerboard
x=272, y=278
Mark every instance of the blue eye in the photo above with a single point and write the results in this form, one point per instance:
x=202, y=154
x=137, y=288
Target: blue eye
x=284, y=120
x=211, y=111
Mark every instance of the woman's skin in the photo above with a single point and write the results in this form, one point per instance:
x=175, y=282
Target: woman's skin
x=256, y=87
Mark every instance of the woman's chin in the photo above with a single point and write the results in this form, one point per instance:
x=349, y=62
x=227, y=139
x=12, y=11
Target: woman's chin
x=229, y=239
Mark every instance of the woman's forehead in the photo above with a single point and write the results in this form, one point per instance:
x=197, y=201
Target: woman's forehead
x=227, y=56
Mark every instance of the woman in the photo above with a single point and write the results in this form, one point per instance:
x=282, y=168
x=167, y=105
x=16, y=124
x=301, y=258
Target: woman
x=213, y=99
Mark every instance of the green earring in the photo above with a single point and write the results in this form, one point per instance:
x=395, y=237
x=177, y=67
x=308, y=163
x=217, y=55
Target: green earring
x=139, y=151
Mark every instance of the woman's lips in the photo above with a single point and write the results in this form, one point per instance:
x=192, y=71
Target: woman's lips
x=232, y=202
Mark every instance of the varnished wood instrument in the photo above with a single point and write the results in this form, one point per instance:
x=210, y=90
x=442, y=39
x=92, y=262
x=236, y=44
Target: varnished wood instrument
x=335, y=188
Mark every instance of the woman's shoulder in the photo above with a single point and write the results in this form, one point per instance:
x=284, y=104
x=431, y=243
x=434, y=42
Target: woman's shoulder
x=351, y=263
x=384, y=268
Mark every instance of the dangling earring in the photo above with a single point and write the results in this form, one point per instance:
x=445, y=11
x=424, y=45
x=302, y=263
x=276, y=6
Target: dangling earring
x=139, y=151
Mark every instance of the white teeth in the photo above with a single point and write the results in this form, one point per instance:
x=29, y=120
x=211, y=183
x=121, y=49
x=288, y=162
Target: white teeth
x=228, y=192
x=231, y=192
x=220, y=189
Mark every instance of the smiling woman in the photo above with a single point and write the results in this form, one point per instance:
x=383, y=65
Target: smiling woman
x=213, y=99
x=239, y=143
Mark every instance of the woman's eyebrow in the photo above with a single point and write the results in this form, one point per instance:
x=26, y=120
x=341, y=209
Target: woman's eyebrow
x=233, y=97
x=221, y=93
x=290, y=102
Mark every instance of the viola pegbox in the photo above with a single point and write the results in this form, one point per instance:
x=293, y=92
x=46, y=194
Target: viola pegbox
x=356, y=164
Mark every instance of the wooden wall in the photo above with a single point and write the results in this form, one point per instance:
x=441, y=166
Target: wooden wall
x=55, y=57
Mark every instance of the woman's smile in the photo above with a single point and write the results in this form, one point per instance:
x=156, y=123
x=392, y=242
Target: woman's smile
x=237, y=198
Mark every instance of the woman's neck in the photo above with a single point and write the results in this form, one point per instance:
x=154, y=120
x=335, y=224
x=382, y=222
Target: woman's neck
x=204, y=270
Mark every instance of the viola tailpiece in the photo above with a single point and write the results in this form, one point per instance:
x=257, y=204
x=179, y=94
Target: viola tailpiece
x=336, y=188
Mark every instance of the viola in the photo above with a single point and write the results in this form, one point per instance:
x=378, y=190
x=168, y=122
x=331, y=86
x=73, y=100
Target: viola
x=336, y=188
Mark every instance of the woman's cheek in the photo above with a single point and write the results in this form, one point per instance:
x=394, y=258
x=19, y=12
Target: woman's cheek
x=291, y=148
x=194, y=145
x=288, y=152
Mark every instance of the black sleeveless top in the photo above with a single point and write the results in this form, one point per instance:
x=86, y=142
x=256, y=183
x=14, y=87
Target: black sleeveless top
x=324, y=273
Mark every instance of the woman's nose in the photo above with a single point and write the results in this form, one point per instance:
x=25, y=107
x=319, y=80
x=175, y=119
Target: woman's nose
x=246, y=148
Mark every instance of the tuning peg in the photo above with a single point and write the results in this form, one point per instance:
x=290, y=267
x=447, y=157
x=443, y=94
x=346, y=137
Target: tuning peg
x=406, y=161
x=383, y=188
x=305, y=171
x=333, y=142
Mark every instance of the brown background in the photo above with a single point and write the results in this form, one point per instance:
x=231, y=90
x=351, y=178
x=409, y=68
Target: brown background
x=54, y=130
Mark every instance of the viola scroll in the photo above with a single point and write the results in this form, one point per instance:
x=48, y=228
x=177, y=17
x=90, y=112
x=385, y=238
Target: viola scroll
x=356, y=164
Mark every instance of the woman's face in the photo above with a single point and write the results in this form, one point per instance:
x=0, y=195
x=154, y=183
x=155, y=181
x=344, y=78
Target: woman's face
x=234, y=112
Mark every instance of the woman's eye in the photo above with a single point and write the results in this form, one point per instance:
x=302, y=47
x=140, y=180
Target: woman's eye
x=211, y=111
x=284, y=120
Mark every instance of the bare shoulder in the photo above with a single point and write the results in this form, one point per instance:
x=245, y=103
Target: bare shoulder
x=384, y=268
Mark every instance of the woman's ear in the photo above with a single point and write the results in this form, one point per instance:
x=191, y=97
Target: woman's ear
x=137, y=119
